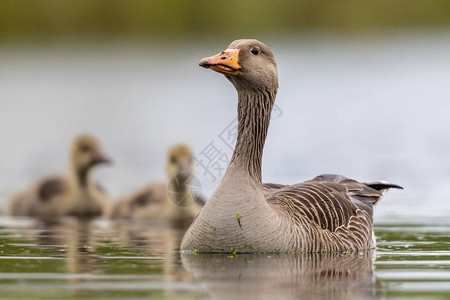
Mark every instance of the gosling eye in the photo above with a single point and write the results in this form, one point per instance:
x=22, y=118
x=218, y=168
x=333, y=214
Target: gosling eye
x=173, y=159
x=84, y=148
x=255, y=50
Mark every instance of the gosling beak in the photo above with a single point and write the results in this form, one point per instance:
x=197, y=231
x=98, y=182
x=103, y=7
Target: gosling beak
x=98, y=157
x=184, y=171
x=225, y=62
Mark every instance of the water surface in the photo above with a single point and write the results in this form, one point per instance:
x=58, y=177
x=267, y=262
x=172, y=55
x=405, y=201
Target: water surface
x=135, y=260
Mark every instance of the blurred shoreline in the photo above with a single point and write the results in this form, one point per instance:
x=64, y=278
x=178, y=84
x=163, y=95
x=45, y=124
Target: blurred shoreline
x=40, y=19
x=193, y=40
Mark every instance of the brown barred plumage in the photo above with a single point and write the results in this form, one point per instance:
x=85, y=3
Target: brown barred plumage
x=342, y=208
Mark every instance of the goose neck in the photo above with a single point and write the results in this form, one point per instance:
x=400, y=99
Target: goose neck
x=254, y=110
x=82, y=177
x=181, y=192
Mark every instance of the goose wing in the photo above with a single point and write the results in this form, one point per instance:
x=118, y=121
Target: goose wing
x=329, y=201
x=269, y=188
x=52, y=187
x=149, y=195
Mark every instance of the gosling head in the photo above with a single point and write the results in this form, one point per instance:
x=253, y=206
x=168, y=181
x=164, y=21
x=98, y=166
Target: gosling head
x=86, y=152
x=179, y=163
x=248, y=64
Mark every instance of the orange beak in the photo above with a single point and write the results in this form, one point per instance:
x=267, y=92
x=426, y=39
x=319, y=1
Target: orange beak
x=225, y=62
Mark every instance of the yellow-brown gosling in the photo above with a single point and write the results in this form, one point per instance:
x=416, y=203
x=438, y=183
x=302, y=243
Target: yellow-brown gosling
x=173, y=201
x=329, y=213
x=73, y=194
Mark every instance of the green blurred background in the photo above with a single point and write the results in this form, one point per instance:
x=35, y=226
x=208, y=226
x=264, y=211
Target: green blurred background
x=62, y=19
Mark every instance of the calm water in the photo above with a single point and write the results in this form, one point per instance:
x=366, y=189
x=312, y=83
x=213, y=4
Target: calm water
x=101, y=260
x=375, y=108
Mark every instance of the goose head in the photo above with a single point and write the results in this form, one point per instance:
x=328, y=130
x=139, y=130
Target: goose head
x=86, y=152
x=247, y=63
x=179, y=163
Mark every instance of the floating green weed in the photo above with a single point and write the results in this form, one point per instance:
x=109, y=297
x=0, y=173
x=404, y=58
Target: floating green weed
x=238, y=218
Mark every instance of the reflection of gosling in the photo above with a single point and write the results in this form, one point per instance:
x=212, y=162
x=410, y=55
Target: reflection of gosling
x=175, y=201
x=74, y=194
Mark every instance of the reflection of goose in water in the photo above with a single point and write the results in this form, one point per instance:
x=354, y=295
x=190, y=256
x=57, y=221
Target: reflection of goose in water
x=73, y=237
x=150, y=239
x=157, y=241
x=80, y=257
x=296, y=276
x=43, y=234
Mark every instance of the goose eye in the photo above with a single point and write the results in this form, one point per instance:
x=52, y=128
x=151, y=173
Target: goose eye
x=255, y=50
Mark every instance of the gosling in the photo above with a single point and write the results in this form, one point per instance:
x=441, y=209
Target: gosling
x=74, y=194
x=175, y=201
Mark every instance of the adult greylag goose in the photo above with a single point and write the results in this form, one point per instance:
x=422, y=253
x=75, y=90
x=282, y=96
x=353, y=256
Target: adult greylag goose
x=73, y=194
x=329, y=213
x=174, y=201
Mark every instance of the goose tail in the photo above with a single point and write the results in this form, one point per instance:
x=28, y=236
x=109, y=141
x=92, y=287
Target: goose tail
x=382, y=186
